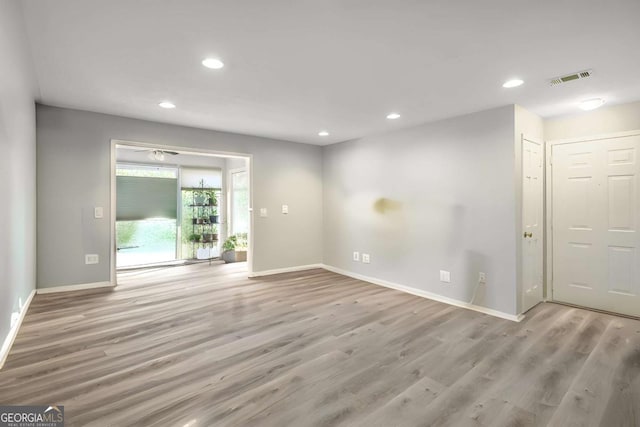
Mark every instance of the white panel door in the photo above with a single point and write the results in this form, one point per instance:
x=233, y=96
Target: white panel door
x=532, y=241
x=596, y=203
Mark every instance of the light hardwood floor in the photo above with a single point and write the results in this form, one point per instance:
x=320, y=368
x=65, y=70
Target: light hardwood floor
x=205, y=346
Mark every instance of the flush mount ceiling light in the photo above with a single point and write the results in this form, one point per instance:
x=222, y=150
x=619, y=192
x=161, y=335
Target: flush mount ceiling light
x=393, y=116
x=167, y=104
x=512, y=83
x=323, y=133
x=213, y=63
x=591, y=104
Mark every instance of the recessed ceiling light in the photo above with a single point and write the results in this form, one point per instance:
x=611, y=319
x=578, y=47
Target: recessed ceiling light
x=592, y=104
x=512, y=83
x=393, y=116
x=213, y=63
x=323, y=133
x=167, y=104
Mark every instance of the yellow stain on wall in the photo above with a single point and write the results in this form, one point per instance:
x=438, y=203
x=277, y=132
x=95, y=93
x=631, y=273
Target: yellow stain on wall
x=384, y=205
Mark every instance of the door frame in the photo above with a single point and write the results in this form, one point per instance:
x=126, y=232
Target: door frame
x=542, y=145
x=549, y=196
x=182, y=149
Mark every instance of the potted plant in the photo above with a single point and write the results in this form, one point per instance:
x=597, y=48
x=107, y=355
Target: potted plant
x=194, y=237
x=235, y=248
x=198, y=197
x=212, y=200
x=213, y=219
x=207, y=237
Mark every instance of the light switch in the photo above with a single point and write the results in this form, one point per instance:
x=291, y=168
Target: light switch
x=445, y=276
x=98, y=212
x=285, y=209
x=263, y=212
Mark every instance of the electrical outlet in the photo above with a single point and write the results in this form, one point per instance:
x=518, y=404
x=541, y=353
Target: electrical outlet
x=91, y=259
x=263, y=212
x=482, y=278
x=285, y=209
x=366, y=258
x=356, y=256
x=445, y=276
x=98, y=212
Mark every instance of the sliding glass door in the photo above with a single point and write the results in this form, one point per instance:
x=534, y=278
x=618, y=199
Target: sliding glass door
x=146, y=214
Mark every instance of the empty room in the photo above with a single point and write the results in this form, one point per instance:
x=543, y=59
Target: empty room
x=319, y=213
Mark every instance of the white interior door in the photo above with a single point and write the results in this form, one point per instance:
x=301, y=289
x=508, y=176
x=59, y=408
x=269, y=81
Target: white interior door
x=532, y=241
x=596, y=203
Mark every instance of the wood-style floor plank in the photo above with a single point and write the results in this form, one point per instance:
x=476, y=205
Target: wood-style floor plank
x=204, y=345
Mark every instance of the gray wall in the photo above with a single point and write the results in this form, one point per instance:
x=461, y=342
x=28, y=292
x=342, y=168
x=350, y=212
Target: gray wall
x=437, y=196
x=617, y=118
x=73, y=149
x=18, y=89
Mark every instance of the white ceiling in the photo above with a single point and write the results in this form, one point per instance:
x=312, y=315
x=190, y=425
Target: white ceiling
x=294, y=67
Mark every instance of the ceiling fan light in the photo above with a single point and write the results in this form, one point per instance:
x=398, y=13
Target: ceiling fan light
x=157, y=155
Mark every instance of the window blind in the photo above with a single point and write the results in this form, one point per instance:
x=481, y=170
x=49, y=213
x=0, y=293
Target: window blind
x=141, y=198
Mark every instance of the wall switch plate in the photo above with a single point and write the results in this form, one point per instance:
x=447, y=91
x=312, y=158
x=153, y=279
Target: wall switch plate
x=91, y=259
x=366, y=258
x=263, y=212
x=445, y=276
x=285, y=209
x=356, y=256
x=98, y=212
x=482, y=277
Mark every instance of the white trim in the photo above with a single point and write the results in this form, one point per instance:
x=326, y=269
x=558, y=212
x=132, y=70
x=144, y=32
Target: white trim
x=286, y=270
x=426, y=294
x=113, y=250
x=78, y=287
x=595, y=137
x=184, y=150
x=13, y=332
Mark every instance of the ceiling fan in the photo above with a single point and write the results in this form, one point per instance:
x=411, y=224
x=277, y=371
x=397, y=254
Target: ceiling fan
x=159, y=155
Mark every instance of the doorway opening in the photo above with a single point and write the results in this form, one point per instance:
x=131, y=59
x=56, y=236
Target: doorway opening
x=174, y=206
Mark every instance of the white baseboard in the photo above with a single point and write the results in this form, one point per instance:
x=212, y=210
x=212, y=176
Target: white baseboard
x=285, y=270
x=426, y=294
x=79, y=287
x=13, y=332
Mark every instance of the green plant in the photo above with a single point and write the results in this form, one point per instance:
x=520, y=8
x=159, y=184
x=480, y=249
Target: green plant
x=194, y=237
x=230, y=243
x=211, y=195
x=235, y=242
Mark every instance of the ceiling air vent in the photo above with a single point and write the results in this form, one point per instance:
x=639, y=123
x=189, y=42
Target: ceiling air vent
x=570, y=77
